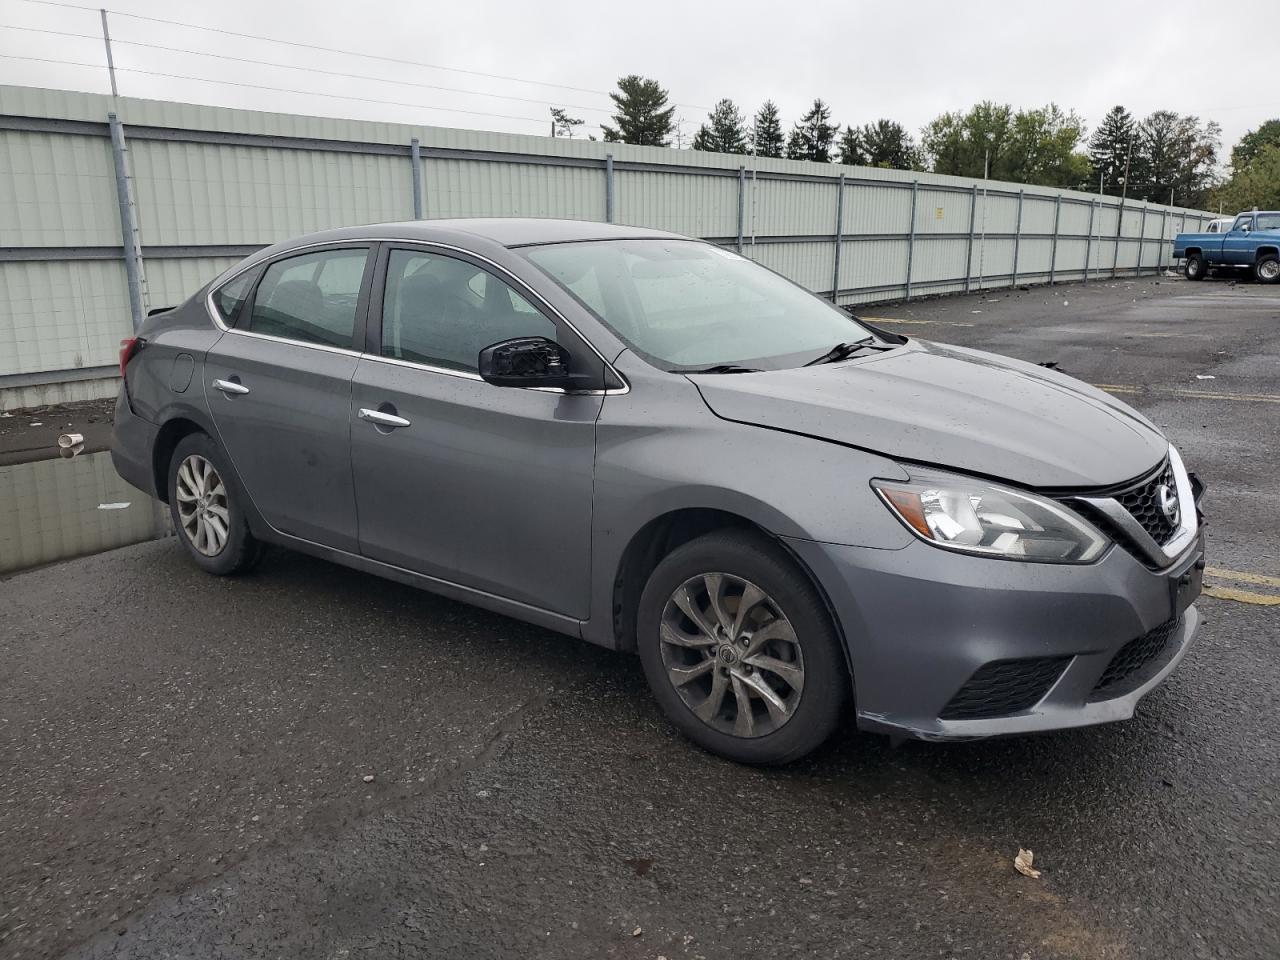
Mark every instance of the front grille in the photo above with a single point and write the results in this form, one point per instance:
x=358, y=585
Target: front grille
x=1125, y=671
x=1144, y=503
x=1003, y=687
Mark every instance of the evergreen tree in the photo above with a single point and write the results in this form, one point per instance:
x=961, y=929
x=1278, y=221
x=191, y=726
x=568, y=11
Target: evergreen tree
x=1253, y=142
x=724, y=132
x=768, y=131
x=813, y=136
x=1174, y=156
x=1110, y=149
x=887, y=144
x=562, y=124
x=851, y=148
x=643, y=116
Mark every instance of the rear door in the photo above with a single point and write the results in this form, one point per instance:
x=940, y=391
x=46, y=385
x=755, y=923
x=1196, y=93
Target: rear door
x=278, y=385
x=487, y=487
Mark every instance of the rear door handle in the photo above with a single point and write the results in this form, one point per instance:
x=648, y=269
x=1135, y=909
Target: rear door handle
x=382, y=419
x=230, y=387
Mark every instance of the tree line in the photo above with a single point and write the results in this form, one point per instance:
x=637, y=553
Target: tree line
x=1165, y=157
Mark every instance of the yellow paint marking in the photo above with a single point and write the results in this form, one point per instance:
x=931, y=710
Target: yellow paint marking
x=1189, y=394
x=1241, y=577
x=1243, y=596
x=941, y=323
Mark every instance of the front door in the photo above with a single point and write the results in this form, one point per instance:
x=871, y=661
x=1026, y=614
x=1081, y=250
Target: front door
x=1236, y=245
x=487, y=487
x=278, y=385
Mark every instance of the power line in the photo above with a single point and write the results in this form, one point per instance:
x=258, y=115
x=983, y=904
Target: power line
x=258, y=86
x=116, y=41
x=323, y=49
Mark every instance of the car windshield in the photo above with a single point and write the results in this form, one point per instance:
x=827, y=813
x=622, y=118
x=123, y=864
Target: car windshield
x=688, y=305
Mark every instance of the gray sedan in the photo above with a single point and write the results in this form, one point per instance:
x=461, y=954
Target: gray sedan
x=659, y=446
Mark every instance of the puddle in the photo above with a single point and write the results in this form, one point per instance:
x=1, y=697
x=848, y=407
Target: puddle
x=50, y=511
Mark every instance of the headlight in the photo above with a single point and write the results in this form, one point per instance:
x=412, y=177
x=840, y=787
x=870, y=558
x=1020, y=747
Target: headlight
x=972, y=516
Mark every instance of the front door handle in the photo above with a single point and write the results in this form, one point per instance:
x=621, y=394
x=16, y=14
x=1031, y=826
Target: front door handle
x=230, y=387
x=382, y=419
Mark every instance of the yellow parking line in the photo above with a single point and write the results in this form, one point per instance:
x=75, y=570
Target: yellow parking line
x=1243, y=596
x=941, y=323
x=1190, y=394
x=1241, y=577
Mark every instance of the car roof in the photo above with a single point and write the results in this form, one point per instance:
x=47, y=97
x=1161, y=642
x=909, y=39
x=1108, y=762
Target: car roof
x=504, y=231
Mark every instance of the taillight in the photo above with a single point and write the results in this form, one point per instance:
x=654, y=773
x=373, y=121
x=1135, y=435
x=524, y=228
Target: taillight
x=127, y=349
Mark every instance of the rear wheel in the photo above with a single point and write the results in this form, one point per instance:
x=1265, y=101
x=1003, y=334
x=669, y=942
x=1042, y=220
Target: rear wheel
x=1194, y=269
x=207, y=514
x=1267, y=269
x=739, y=650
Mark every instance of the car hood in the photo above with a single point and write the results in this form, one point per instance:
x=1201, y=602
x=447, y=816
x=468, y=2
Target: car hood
x=948, y=406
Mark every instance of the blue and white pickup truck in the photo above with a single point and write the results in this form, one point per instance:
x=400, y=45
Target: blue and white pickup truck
x=1252, y=244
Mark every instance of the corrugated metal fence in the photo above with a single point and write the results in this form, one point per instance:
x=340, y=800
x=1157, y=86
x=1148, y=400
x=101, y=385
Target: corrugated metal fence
x=205, y=186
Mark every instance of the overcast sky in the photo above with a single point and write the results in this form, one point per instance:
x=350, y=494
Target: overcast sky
x=908, y=61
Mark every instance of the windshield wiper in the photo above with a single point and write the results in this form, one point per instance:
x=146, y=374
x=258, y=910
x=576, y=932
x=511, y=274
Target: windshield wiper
x=721, y=368
x=843, y=351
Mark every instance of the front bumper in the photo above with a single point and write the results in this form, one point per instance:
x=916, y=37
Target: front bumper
x=920, y=622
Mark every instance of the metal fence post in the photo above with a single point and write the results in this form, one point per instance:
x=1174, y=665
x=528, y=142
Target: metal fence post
x=415, y=154
x=1088, y=240
x=608, y=188
x=1164, y=229
x=742, y=202
x=128, y=223
x=835, y=270
x=1115, y=253
x=1017, y=237
x=1053, y=244
x=1142, y=239
x=911, y=240
x=968, y=250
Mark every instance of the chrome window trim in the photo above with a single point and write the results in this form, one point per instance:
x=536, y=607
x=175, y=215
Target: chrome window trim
x=1188, y=523
x=504, y=273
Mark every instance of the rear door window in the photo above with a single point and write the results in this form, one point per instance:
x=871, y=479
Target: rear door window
x=311, y=298
x=229, y=297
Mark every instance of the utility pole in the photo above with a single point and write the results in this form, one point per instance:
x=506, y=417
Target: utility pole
x=1124, y=188
x=111, y=64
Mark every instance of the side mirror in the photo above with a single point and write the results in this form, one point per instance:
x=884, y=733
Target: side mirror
x=528, y=362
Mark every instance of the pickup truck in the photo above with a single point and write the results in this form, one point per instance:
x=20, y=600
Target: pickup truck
x=1252, y=244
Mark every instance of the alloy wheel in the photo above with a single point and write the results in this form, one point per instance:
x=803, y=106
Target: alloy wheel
x=732, y=655
x=1269, y=270
x=202, y=505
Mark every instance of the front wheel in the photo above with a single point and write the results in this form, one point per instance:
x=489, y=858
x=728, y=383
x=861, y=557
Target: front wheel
x=1267, y=269
x=1194, y=269
x=740, y=651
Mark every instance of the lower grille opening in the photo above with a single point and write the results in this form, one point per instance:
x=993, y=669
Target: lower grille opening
x=1125, y=672
x=1003, y=687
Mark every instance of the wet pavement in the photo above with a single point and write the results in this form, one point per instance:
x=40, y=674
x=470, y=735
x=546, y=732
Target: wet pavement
x=187, y=757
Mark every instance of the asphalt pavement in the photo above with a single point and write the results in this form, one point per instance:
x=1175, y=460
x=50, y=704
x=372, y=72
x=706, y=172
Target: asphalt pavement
x=313, y=762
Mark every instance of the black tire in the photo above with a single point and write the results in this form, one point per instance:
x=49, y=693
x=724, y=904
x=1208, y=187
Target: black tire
x=1267, y=269
x=1194, y=268
x=753, y=558
x=240, y=550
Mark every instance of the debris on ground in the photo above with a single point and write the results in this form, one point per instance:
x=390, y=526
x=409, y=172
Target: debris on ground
x=1205, y=376
x=1048, y=364
x=113, y=506
x=70, y=439
x=1066, y=303
x=368, y=778
x=1022, y=863
x=636, y=932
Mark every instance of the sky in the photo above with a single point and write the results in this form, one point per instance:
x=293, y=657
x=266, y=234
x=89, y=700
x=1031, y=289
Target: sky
x=490, y=65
